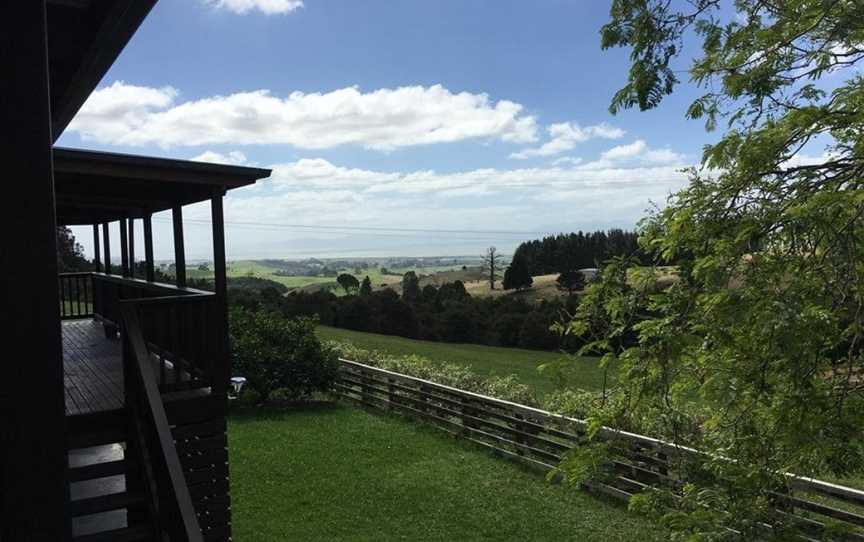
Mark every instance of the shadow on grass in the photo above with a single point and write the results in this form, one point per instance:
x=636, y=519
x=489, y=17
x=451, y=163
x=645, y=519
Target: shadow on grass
x=273, y=411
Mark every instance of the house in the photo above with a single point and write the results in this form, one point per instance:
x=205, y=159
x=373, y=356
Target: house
x=113, y=399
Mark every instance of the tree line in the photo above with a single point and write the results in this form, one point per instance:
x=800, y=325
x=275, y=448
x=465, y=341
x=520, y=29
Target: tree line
x=447, y=313
x=572, y=251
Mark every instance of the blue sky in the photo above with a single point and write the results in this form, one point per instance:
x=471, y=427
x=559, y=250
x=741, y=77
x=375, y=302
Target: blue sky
x=470, y=115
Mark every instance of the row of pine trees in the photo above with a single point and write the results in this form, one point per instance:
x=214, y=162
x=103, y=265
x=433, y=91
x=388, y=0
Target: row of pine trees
x=570, y=251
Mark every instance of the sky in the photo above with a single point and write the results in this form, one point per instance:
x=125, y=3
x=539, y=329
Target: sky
x=393, y=128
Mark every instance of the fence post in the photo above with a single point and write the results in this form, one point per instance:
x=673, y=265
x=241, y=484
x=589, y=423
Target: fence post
x=391, y=394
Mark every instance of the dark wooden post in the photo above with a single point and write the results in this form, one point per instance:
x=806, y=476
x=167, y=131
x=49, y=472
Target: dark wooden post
x=222, y=370
x=106, y=242
x=150, y=273
x=124, y=248
x=131, y=247
x=97, y=258
x=179, y=251
x=34, y=497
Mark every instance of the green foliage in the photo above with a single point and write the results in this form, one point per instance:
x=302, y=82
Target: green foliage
x=577, y=250
x=349, y=283
x=508, y=388
x=766, y=323
x=570, y=281
x=410, y=287
x=366, y=286
x=278, y=354
x=517, y=276
x=585, y=464
x=483, y=360
x=70, y=253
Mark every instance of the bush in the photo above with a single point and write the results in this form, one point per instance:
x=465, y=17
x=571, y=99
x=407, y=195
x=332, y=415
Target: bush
x=274, y=353
x=507, y=388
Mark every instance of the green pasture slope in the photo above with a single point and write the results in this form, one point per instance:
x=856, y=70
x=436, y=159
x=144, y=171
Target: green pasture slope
x=486, y=360
x=260, y=269
x=334, y=472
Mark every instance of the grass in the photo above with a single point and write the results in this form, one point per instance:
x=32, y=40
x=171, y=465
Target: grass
x=543, y=287
x=333, y=472
x=485, y=360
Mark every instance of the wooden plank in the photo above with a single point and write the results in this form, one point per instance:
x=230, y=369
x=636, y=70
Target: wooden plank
x=203, y=429
x=32, y=449
x=106, y=243
x=150, y=271
x=131, y=247
x=124, y=248
x=177, y=502
x=179, y=250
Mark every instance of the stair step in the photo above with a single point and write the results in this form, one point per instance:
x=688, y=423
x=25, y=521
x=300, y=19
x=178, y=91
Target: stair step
x=98, y=470
x=103, y=503
x=95, y=438
x=95, y=429
x=126, y=534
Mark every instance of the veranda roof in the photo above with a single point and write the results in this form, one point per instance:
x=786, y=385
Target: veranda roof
x=94, y=187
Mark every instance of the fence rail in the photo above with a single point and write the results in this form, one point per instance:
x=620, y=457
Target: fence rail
x=540, y=438
x=76, y=295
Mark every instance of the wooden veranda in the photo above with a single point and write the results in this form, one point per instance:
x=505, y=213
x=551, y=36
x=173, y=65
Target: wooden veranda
x=138, y=366
x=145, y=363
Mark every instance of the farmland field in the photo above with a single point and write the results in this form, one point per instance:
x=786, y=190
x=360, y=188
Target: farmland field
x=334, y=472
x=270, y=270
x=485, y=360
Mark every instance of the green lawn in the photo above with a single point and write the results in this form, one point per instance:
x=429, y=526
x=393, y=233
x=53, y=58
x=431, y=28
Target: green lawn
x=334, y=472
x=486, y=360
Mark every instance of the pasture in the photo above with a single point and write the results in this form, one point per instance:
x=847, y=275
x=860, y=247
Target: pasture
x=484, y=360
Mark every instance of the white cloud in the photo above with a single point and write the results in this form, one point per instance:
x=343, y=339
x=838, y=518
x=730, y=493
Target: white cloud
x=567, y=160
x=623, y=152
x=319, y=174
x=114, y=109
x=236, y=158
x=565, y=136
x=384, y=120
x=268, y=7
x=637, y=152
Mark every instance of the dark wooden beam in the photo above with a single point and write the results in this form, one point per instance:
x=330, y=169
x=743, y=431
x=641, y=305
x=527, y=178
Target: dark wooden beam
x=89, y=199
x=33, y=459
x=131, y=247
x=222, y=366
x=97, y=261
x=124, y=248
x=75, y=4
x=107, y=246
x=125, y=168
x=150, y=274
x=179, y=249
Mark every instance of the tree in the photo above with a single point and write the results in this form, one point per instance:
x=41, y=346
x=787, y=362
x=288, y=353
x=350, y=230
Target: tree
x=348, y=283
x=410, y=287
x=517, y=276
x=366, y=286
x=70, y=253
x=491, y=265
x=570, y=281
x=766, y=321
x=278, y=354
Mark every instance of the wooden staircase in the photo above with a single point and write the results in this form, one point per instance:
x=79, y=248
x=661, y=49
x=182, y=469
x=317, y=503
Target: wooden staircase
x=104, y=502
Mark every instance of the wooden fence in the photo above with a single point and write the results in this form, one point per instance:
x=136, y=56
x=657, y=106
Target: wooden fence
x=540, y=438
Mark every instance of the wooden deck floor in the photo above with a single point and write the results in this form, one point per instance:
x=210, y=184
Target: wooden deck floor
x=93, y=369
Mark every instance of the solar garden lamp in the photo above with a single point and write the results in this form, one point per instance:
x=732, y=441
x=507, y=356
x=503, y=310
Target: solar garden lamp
x=237, y=382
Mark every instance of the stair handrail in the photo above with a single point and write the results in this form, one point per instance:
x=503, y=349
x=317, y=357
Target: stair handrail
x=175, y=512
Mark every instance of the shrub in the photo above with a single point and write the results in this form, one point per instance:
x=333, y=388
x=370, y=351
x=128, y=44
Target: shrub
x=274, y=353
x=507, y=388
